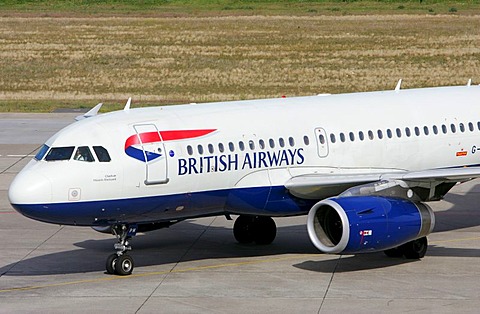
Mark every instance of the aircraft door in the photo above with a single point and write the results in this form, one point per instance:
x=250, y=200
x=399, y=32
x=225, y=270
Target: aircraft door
x=322, y=142
x=155, y=156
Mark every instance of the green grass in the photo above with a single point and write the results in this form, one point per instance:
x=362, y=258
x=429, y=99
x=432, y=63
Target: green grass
x=42, y=106
x=234, y=7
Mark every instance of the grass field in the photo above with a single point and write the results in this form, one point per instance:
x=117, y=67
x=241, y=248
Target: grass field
x=69, y=61
x=237, y=7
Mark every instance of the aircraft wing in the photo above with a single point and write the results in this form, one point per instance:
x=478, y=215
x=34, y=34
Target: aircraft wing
x=318, y=186
x=444, y=175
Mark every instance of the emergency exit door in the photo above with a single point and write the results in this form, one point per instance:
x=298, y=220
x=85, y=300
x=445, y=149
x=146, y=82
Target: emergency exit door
x=322, y=142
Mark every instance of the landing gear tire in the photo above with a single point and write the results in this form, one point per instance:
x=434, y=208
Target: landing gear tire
x=259, y=229
x=121, y=263
x=124, y=265
x=110, y=265
x=265, y=230
x=415, y=249
x=243, y=229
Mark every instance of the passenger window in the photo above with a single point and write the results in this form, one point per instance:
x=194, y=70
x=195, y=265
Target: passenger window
x=221, y=148
x=210, y=148
x=332, y=138
x=370, y=134
x=462, y=127
x=306, y=141
x=291, y=141
x=389, y=133
x=231, y=146
x=102, y=154
x=262, y=144
x=281, y=142
x=342, y=137
x=478, y=125
x=352, y=136
x=444, y=129
x=361, y=136
x=189, y=150
x=83, y=154
x=321, y=138
x=41, y=153
x=417, y=131
x=200, y=149
x=435, y=129
x=272, y=143
x=399, y=133
x=380, y=134
x=453, y=128
x=407, y=132
x=60, y=153
x=425, y=130
x=251, y=144
x=241, y=146
x=470, y=126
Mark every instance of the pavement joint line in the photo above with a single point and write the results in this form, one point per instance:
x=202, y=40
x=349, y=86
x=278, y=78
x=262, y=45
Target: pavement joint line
x=16, y=162
x=157, y=273
x=329, y=284
x=175, y=265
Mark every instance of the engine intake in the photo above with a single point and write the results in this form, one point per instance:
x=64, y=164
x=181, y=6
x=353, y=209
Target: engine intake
x=360, y=224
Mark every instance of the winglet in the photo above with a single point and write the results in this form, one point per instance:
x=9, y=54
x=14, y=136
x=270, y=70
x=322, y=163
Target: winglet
x=91, y=113
x=469, y=83
x=127, y=105
x=399, y=84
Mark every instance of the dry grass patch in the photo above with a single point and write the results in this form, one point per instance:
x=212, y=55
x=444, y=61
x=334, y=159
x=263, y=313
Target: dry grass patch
x=172, y=60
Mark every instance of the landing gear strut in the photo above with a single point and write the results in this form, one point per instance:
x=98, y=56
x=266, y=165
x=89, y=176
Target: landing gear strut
x=415, y=249
x=121, y=263
x=258, y=229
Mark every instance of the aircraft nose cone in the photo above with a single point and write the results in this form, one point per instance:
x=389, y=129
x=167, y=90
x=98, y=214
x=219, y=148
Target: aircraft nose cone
x=28, y=188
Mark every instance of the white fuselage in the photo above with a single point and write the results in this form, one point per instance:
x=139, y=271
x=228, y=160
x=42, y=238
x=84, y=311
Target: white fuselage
x=220, y=147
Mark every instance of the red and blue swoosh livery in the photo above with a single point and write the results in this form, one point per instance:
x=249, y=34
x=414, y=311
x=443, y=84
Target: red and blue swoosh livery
x=133, y=144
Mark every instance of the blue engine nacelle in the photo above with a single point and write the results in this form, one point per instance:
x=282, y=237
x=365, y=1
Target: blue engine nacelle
x=361, y=224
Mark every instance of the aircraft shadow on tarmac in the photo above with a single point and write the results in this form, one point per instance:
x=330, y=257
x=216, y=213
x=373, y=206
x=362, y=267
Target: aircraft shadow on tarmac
x=166, y=246
x=188, y=241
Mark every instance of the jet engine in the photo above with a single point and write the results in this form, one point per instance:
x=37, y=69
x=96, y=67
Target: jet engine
x=361, y=224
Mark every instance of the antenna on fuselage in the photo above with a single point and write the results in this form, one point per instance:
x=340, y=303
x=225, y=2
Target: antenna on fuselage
x=399, y=84
x=127, y=105
x=469, y=83
x=91, y=113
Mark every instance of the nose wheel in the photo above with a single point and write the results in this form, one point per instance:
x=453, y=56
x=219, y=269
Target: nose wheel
x=121, y=263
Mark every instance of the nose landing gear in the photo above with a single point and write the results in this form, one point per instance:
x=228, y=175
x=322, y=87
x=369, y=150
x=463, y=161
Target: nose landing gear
x=121, y=263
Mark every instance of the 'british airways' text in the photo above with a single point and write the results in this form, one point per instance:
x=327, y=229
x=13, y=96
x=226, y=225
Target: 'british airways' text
x=233, y=162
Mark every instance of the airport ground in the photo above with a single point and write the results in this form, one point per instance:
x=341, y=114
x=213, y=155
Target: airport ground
x=76, y=58
x=197, y=267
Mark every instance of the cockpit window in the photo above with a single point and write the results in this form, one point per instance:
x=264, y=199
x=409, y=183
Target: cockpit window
x=41, y=153
x=102, y=153
x=60, y=153
x=83, y=154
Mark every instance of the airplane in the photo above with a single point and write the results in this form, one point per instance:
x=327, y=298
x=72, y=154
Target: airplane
x=360, y=166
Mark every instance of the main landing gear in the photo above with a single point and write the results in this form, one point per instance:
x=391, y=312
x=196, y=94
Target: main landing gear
x=121, y=263
x=415, y=249
x=258, y=229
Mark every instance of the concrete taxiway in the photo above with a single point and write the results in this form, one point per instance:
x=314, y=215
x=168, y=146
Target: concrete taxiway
x=197, y=267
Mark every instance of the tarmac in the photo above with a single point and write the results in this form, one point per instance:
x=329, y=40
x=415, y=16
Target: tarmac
x=197, y=267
